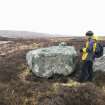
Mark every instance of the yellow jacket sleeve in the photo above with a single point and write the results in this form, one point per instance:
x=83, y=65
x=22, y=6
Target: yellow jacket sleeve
x=84, y=50
x=84, y=54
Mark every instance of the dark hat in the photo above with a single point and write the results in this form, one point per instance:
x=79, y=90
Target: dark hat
x=89, y=33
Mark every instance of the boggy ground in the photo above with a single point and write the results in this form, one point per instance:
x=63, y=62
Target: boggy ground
x=18, y=86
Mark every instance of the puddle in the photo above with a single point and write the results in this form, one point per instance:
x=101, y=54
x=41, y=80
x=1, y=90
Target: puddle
x=5, y=42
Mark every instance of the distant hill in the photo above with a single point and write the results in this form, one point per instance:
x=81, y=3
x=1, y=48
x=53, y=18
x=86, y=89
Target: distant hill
x=23, y=34
x=4, y=34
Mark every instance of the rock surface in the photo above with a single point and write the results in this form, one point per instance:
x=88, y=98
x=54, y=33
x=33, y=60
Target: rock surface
x=45, y=62
x=99, y=64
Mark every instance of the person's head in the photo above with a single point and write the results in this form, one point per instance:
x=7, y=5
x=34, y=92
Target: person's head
x=89, y=35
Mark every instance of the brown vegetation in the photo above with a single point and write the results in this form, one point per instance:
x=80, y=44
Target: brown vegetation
x=18, y=86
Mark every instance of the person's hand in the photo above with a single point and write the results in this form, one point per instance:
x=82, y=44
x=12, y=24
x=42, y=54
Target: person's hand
x=81, y=50
x=87, y=50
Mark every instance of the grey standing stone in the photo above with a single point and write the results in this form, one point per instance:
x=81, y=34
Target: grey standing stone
x=44, y=62
x=99, y=64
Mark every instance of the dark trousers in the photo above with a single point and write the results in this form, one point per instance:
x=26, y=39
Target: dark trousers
x=86, y=71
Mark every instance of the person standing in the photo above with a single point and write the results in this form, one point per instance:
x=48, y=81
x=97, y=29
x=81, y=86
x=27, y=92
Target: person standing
x=88, y=57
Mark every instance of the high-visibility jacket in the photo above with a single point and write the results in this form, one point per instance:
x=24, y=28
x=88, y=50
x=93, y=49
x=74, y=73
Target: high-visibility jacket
x=87, y=55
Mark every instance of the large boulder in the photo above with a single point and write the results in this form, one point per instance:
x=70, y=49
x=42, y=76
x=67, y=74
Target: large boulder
x=44, y=62
x=99, y=64
x=104, y=50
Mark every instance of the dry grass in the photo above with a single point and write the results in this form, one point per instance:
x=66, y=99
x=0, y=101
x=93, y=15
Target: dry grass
x=18, y=86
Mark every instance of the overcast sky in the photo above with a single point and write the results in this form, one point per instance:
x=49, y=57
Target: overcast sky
x=66, y=17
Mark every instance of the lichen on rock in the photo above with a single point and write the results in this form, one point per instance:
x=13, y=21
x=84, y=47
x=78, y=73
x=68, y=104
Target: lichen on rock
x=45, y=62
